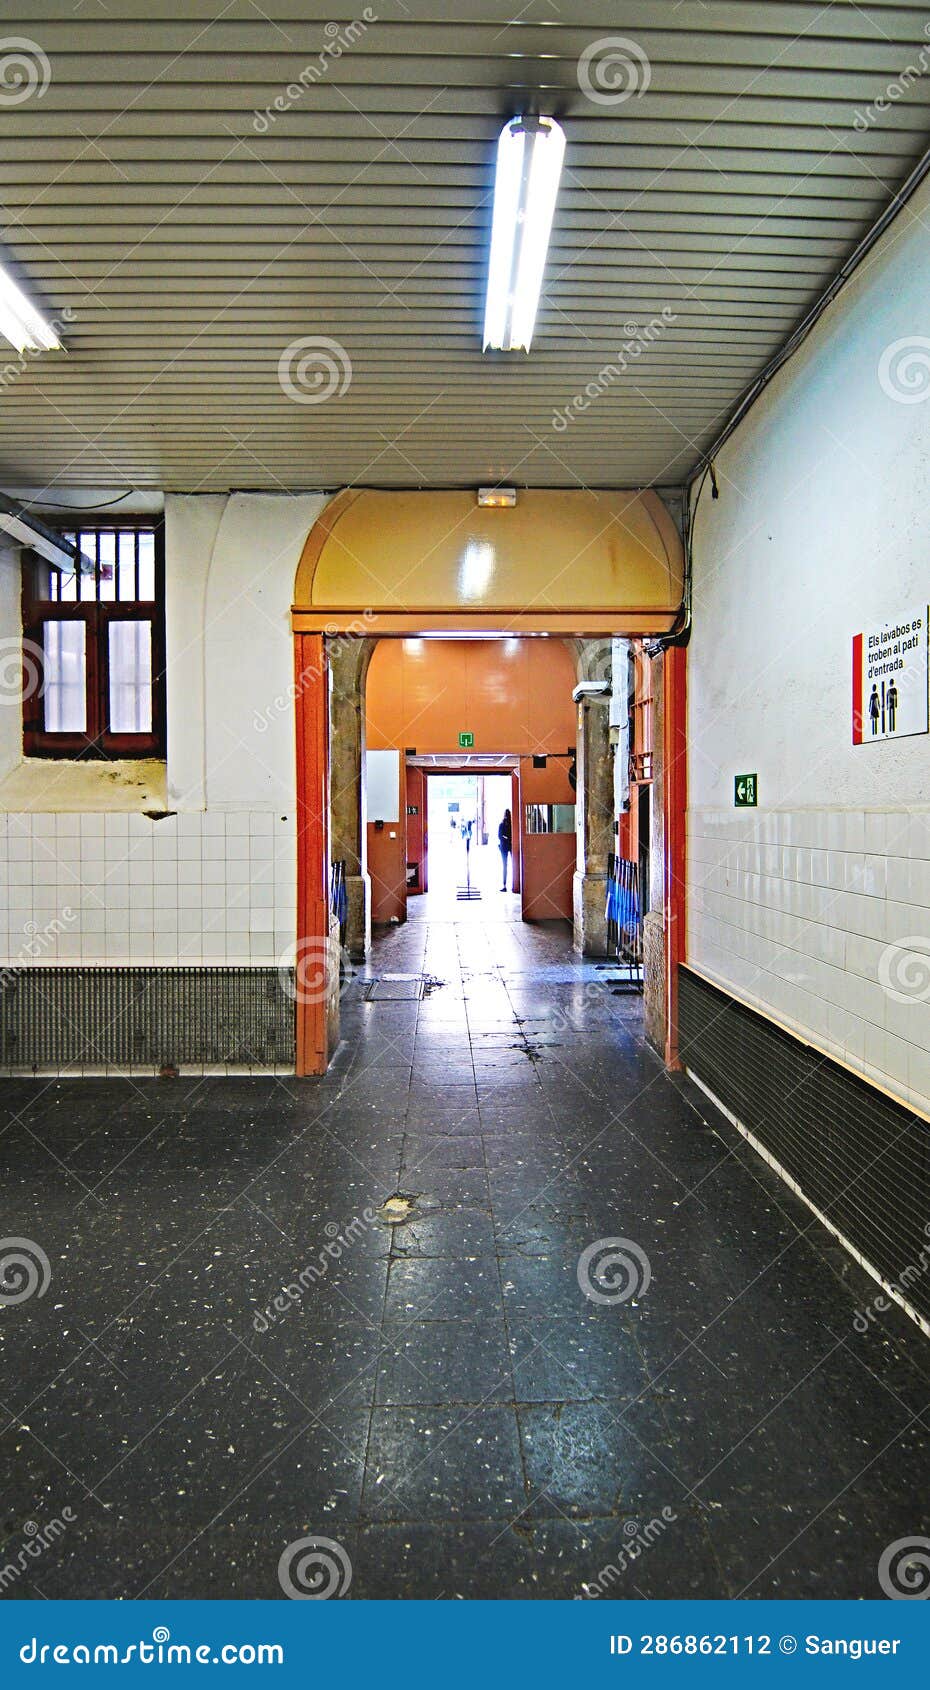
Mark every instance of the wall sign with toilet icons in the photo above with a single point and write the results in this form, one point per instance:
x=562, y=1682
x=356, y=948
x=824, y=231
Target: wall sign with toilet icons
x=891, y=679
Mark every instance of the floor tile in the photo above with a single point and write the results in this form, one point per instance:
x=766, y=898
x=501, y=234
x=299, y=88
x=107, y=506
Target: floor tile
x=237, y=1350
x=458, y=1464
x=427, y=1361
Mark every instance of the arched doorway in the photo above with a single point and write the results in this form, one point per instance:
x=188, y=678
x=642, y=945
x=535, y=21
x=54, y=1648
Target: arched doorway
x=582, y=565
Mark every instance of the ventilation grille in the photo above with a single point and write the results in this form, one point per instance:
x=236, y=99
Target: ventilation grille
x=145, y=1017
x=860, y=1157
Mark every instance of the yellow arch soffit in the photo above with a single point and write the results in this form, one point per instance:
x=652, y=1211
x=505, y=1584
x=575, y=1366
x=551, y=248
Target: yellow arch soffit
x=560, y=561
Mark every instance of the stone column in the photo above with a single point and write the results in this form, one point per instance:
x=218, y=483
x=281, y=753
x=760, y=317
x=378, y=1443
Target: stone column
x=349, y=657
x=594, y=797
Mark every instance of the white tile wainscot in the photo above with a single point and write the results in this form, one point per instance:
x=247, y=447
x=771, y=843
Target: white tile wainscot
x=794, y=910
x=215, y=886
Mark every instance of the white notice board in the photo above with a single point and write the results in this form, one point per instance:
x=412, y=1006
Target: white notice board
x=891, y=679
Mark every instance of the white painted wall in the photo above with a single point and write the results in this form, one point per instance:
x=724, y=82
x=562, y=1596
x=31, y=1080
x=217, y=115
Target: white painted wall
x=82, y=880
x=192, y=522
x=230, y=565
x=821, y=529
x=249, y=650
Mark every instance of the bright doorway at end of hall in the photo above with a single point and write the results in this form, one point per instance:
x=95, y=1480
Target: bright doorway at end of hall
x=498, y=708
x=464, y=816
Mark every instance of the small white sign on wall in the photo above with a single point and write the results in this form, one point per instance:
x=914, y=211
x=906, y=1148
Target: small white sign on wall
x=382, y=785
x=891, y=679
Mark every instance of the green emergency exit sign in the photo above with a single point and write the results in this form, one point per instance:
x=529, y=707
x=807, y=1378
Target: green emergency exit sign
x=466, y=741
x=745, y=791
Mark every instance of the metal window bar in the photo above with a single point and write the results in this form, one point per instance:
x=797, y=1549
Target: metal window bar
x=625, y=918
x=338, y=897
x=126, y=570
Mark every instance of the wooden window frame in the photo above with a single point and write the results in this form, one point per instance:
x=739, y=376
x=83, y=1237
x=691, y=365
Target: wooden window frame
x=97, y=741
x=641, y=719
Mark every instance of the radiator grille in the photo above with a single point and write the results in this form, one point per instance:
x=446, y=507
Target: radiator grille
x=145, y=1017
x=860, y=1157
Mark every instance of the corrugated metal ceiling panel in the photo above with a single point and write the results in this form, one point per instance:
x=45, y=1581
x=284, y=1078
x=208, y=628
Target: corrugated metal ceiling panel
x=191, y=243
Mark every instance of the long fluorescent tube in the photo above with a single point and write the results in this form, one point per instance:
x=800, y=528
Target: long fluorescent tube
x=21, y=323
x=529, y=163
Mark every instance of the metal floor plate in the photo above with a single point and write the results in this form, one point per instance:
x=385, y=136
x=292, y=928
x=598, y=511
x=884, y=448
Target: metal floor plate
x=394, y=987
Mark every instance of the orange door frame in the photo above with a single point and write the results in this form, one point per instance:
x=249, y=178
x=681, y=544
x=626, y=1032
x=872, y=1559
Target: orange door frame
x=314, y=961
x=516, y=828
x=313, y=849
x=675, y=793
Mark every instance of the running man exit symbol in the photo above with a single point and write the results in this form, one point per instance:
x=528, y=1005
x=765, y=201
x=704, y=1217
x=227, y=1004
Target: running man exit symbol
x=466, y=741
x=745, y=791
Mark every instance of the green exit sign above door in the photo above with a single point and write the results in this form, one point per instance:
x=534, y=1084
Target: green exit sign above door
x=745, y=791
x=466, y=741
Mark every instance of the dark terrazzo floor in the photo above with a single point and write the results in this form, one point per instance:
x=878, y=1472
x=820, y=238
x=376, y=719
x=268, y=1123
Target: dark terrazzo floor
x=444, y=1401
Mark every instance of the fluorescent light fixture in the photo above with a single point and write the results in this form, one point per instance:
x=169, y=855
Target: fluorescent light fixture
x=497, y=498
x=529, y=163
x=21, y=323
x=17, y=521
x=29, y=536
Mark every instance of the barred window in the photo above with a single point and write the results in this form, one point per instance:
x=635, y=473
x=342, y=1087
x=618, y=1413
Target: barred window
x=93, y=646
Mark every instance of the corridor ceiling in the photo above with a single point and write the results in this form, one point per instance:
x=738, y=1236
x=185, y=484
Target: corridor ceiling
x=722, y=162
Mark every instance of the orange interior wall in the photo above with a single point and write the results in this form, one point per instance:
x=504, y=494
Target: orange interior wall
x=513, y=695
x=548, y=858
x=387, y=862
x=628, y=828
x=516, y=825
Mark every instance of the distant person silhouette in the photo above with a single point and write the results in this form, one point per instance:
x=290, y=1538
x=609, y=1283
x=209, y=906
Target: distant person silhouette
x=505, y=842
